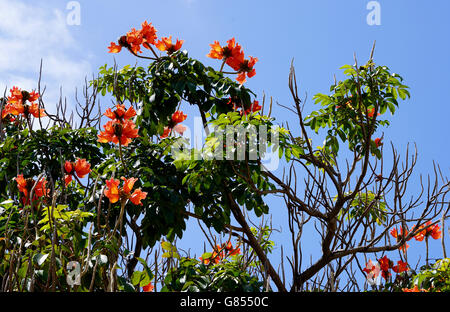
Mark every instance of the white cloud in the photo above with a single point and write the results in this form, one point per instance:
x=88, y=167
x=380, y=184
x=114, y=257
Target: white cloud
x=30, y=33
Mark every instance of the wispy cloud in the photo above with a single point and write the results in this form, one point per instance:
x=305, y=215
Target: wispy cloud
x=29, y=33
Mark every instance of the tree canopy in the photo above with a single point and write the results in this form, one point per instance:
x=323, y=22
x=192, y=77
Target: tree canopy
x=99, y=204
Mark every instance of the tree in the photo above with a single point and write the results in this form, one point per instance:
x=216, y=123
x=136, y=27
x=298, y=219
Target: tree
x=102, y=194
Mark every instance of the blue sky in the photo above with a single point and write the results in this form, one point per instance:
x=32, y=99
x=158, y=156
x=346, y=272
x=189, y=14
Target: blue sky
x=319, y=35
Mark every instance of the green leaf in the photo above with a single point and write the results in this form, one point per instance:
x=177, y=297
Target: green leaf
x=168, y=246
x=136, y=278
x=170, y=254
x=206, y=255
x=287, y=154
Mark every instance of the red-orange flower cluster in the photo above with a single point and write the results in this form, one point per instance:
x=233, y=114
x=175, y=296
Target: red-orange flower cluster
x=224, y=53
x=120, y=114
x=120, y=130
x=25, y=186
x=135, y=38
x=244, y=67
x=113, y=192
x=431, y=230
x=254, y=107
x=371, y=112
x=400, y=267
x=399, y=236
x=81, y=168
x=233, y=56
x=221, y=252
x=146, y=36
x=378, y=142
x=175, y=124
x=22, y=102
x=414, y=289
x=426, y=231
x=165, y=44
x=371, y=270
x=148, y=288
x=384, y=265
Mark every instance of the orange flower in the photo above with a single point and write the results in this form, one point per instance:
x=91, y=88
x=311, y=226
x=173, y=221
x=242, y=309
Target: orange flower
x=114, y=193
x=165, y=44
x=174, y=124
x=371, y=112
x=137, y=196
x=68, y=167
x=82, y=167
x=122, y=43
x=148, y=34
x=114, y=48
x=148, y=288
x=23, y=185
x=120, y=114
x=166, y=132
x=414, y=289
x=372, y=270
x=67, y=179
x=135, y=39
x=26, y=185
x=400, y=267
x=16, y=95
x=433, y=231
x=17, y=107
x=235, y=251
x=118, y=132
x=112, y=190
x=25, y=110
x=228, y=246
x=378, y=142
x=255, y=107
x=128, y=184
x=39, y=188
x=178, y=117
x=226, y=52
x=232, y=251
x=14, y=108
x=385, y=263
x=241, y=77
x=20, y=96
x=217, y=255
x=243, y=66
x=6, y=112
x=34, y=110
x=204, y=261
x=33, y=96
x=399, y=237
x=216, y=51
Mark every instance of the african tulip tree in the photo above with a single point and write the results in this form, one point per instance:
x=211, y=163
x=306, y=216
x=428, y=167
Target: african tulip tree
x=102, y=194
